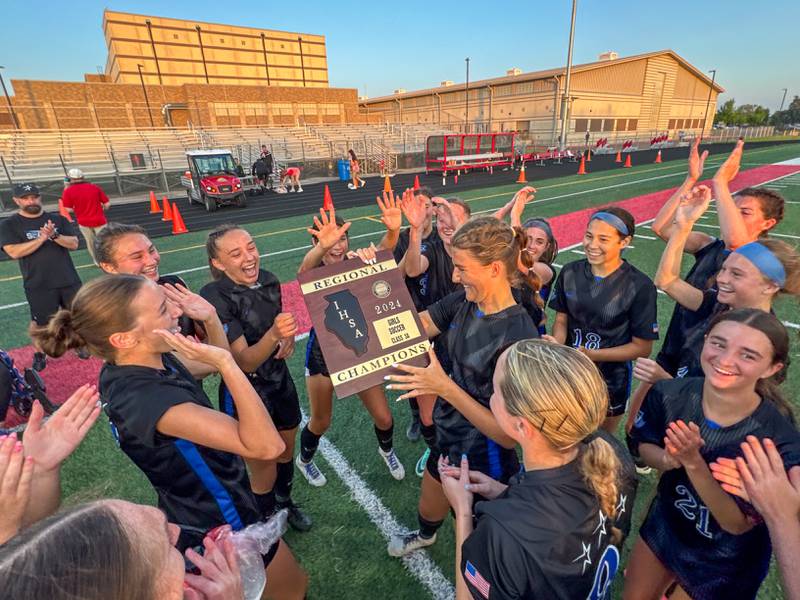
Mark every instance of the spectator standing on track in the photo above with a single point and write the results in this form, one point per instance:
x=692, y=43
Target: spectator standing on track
x=89, y=203
x=355, y=171
x=41, y=242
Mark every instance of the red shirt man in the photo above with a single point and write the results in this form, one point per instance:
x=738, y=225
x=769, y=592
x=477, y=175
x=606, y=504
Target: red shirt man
x=89, y=203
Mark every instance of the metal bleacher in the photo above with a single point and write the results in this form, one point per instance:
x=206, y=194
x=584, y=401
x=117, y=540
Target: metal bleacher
x=45, y=155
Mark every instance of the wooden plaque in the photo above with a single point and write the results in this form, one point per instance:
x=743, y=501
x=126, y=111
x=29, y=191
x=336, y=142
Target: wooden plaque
x=365, y=321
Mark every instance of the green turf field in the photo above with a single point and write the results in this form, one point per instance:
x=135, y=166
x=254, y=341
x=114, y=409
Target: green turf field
x=345, y=552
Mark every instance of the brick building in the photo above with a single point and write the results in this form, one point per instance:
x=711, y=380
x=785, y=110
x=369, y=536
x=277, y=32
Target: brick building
x=192, y=73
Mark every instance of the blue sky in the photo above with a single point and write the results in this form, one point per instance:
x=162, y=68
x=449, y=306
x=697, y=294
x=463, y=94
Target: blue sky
x=412, y=44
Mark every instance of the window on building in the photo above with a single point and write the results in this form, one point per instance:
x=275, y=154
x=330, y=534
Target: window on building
x=632, y=124
x=502, y=90
x=671, y=124
x=679, y=124
x=255, y=108
x=581, y=125
x=621, y=124
x=307, y=108
x=596, y=125
x=329, y=109
x=230, y=109
x=608, y=124
x=696, y=124
x=524, y=88
x=282, y=108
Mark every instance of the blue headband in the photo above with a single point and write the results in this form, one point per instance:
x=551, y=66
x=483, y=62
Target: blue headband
x=539, y=224
x=612, y=220
x=765, y=261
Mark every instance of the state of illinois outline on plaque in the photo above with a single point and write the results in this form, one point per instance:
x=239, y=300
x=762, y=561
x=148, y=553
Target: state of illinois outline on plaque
x=365, y=321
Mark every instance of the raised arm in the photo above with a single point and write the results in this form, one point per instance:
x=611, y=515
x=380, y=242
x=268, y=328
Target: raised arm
x=731, y=224
x=392, y=219
x=327, y=233
x=663, y=225
x=249, y=358
x=414, y=263
x=253, y=435
x=693, y=204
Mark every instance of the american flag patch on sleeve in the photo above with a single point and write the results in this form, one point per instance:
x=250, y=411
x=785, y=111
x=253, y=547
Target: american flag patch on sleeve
x=476, y=579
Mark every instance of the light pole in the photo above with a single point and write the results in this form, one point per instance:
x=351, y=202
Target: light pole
x=146, y=99
x=708, y=102
x=565, y=101
x=8, y=101
x=780, y=109
x=466, y=100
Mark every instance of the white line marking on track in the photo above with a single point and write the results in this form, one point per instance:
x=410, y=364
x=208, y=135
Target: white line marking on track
x=418, y=563
x=645, y=237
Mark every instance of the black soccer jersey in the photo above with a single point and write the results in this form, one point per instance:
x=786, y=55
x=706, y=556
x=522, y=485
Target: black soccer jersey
x=250, y=311
x=524, y=296
x=703, y=275
x=474, y=341
x=187, y=325
x=422, y=292
x=547, y=537
x=606, y=312
x=198, y=488
x=687, y=362
x=707, y=561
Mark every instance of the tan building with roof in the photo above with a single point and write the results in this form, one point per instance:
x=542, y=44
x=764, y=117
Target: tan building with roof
x=175, y=52
x=634, y=97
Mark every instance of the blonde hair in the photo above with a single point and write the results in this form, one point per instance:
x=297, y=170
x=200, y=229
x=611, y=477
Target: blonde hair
x=560, y=392
x=488, y=240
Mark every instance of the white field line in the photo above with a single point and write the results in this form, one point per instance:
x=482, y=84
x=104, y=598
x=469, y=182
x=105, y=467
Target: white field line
x=418, y=563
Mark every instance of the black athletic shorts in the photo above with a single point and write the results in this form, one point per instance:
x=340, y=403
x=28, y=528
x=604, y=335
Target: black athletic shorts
x=315, y=362
x=45, y=303
x=281, y=402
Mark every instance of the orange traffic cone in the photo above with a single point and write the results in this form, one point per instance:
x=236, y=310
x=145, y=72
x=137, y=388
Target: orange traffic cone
x=521, y=178
x=588, y=156
x=387, y=184
x=619, y=157
x=627, y=164
x=63, y=211
x=178, y=226
x=658, y=157
x=416, y=182
x=327, y=200
x=167, y=210
x=154, y=207
x=582, y=166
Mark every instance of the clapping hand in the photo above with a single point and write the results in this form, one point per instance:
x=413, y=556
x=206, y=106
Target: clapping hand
x=50, y=443
x=696, y=160
x=16, y=473
x=521, y=198
x=683, y=443
x=693, y=204
x=730, y=168
x=194, y=350
x=193, y=305
x=413, y=207
x=367, y=255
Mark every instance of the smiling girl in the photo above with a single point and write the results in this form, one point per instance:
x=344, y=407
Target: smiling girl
x=480, y=322
x=713, y=544
x=606, y=307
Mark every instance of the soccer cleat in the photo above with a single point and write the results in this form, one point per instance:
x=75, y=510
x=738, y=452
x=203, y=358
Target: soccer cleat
x=363, y=183
x=394, y=464
x=299, y=189
x=422, y=463
x=310, y=471
x=414, y=432
x=351, y=186
x=402, y=544
x=644, y=470
x=297, y=518
x=291, y=190
x=39, y=361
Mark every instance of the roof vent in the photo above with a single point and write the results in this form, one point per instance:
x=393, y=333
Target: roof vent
x=400, y=91
x=610, y=55
x=514, y=71
x=446, y=83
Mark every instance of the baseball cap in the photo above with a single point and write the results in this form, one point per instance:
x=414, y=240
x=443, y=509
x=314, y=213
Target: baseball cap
x=75, y=174
x=26, y=189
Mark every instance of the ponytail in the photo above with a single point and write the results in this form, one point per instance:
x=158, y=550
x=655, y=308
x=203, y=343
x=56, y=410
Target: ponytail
x=58, y=336
x=600, y=467
x=529, y=277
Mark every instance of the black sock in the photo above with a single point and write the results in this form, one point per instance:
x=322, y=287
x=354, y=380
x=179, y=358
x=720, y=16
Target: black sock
x=414, y=405
x=309, y=442
x=427, y=529
x=429, y=435
x=385, y=437
x=283, y=482
x=265, y=503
